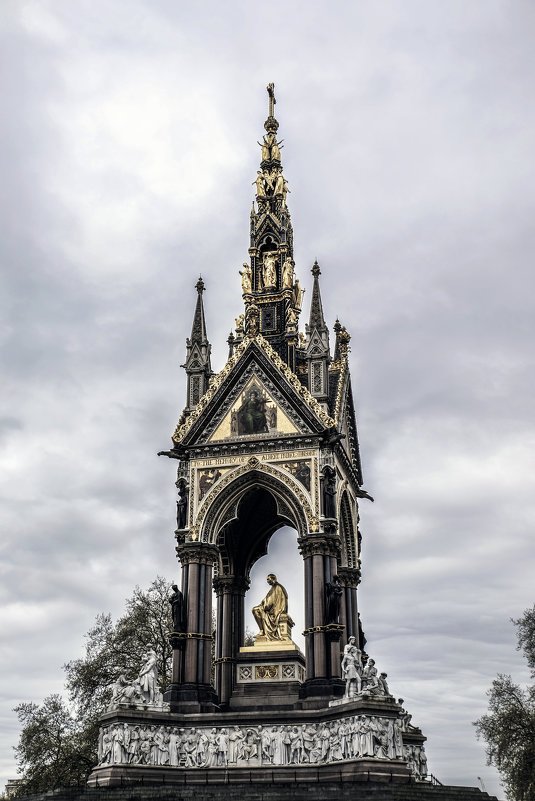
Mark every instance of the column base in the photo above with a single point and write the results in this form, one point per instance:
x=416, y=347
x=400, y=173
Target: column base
x=316, y=693
x=191, y=698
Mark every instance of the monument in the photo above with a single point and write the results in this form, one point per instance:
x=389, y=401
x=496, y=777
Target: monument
x=268, y=442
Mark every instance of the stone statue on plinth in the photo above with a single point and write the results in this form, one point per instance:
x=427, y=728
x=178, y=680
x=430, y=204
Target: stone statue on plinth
x=271, y=614
x=352, y=669
x=144, y=691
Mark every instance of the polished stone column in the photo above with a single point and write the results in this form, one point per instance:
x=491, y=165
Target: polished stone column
x=320, y=554
x=230, y=631
x=194, y=691
x=349, y=579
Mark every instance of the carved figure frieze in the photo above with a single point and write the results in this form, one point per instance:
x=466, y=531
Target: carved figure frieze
x=359, y=735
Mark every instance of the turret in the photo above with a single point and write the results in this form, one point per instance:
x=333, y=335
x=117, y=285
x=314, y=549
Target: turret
x=317, y=351
x=197, y=364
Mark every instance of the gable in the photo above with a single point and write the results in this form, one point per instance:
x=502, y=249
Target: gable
x=254, y=412
x=228, y=410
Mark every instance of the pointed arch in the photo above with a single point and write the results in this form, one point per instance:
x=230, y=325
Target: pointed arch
x=220, y=506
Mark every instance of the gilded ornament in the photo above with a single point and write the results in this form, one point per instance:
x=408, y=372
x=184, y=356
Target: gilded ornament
x=182, y=429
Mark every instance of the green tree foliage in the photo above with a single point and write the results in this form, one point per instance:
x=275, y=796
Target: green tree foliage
x=509, y=726
x=53, y=748
x=58, y=742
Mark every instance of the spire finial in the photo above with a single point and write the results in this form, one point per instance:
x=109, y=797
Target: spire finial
x=316, y=269
x=199, y=286
x=271, y=92
x=271, y=125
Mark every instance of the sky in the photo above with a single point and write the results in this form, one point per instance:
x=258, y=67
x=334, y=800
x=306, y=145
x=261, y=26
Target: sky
x=128, y=148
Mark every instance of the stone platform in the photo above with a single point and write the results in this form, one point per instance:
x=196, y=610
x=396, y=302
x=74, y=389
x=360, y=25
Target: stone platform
x=200, y=788
x=364, y=737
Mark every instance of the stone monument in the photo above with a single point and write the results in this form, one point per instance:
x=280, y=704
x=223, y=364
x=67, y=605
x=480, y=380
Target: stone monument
x=268, y=442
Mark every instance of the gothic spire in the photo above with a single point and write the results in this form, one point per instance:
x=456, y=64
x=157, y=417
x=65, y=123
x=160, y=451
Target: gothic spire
x=317, y=319
x=198, y=329
x=317, y=352
x=197, y=365
x=268, y=280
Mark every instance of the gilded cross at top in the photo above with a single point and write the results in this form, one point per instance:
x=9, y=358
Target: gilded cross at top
x=271, y=92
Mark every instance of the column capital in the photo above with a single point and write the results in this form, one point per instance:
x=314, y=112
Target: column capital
x=199, y=552
x=231, y=584
x=349, y=576
x=324, y=544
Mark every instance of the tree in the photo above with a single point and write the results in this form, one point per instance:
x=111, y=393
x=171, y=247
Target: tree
x=58, y=742
x=509, y=726
x=52, y=747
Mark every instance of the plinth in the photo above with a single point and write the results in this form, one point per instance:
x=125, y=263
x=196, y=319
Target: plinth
x=269, y=674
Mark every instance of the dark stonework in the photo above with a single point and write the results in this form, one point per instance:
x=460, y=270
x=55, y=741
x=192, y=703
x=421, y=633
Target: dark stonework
x=333, y=600
x=178, y=610
x=268, y=442
x=263, y=786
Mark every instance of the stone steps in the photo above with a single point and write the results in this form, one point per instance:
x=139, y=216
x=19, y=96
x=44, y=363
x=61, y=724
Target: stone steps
x=276, y=791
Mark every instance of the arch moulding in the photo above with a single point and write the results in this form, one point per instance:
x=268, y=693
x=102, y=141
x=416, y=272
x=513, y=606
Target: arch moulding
x=221, y=503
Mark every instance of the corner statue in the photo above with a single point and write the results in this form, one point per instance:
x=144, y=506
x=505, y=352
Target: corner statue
x=269, y=611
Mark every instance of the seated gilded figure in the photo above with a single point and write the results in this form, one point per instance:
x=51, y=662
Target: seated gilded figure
x=271, y=614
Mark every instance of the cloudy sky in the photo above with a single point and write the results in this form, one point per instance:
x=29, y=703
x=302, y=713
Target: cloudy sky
x=128, y=149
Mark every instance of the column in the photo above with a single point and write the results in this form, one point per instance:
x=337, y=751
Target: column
x=349, y=579
x=195, y=690
x=230, y=591
x=320, y=554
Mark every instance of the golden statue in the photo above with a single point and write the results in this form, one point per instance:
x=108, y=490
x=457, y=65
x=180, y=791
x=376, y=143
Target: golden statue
x=270, y=272
x=298, y=295
x=287, y=273
x=246, y=278
x=285, y=191
x=259, y=181
x=269, y=612
x=279, y=183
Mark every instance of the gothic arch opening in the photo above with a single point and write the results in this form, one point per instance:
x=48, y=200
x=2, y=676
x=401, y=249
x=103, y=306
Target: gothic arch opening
x=282, y=559
x=244, y=539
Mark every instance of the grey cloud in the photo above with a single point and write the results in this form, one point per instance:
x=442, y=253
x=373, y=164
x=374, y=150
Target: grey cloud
x=128, y=151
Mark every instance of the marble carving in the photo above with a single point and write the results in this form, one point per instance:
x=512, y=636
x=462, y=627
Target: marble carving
x=143, y=692
x=364, y=736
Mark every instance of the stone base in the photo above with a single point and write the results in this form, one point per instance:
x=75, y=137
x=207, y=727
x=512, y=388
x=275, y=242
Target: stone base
x=346, y=772
x=317, y=693
x=362, y=737
x=268, y=678
x=191, y=698
x=271, y=788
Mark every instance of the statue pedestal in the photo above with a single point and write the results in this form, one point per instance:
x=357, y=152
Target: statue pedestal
x=268, y=674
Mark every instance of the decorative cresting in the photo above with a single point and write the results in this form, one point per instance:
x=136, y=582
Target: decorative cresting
x=344, y=368
x=184, y=426
x=229, y=490
x=347, y=531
